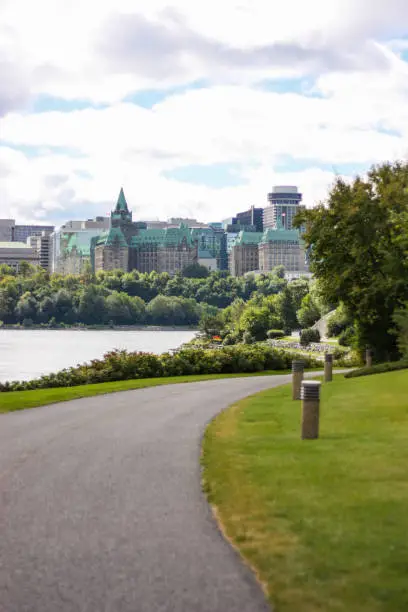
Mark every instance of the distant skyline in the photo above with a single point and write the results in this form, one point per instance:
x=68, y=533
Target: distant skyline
x=196, y=109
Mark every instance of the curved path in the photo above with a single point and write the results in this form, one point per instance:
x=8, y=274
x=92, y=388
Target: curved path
x=101, y=508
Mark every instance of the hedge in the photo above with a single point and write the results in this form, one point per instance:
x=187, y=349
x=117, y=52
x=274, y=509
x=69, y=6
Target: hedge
x=124, y=365
x=378, y=369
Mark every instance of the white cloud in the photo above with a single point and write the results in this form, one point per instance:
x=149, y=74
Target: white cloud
x=103, y=50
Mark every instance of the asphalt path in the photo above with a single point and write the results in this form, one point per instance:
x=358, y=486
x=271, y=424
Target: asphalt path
x=101, y=507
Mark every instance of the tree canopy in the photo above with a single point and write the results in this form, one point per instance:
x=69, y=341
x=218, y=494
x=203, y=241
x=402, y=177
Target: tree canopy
x=358, y=242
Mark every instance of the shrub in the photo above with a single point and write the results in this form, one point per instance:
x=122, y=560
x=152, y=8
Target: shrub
x=247, y=338
x=347, y=336
x=274, y=334
x=28, y=323
x=379, y=368
x=337, y=323
x=307, y=336
x=122, y=365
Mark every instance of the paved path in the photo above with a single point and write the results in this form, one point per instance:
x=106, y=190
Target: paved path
x=101, y=508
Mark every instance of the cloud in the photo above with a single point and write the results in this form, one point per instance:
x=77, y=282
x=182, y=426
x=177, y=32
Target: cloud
x=168, y=48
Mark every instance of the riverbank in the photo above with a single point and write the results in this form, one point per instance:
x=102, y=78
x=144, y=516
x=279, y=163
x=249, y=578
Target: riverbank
x=82, y=327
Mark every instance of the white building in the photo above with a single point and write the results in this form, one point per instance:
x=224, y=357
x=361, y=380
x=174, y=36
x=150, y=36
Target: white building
x=284, y=202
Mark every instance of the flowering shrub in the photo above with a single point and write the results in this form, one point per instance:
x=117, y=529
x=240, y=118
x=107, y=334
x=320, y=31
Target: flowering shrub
x=124, y=365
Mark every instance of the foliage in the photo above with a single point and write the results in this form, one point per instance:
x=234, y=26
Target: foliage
x=195, y=271
x=126, y=298
x=308, y=314
x=275, y=334
x=338, y=322
x=379, y=368
x=359, y=251
x=401, y=321
x=123, y=365
x=307, y=336
x=347, y=337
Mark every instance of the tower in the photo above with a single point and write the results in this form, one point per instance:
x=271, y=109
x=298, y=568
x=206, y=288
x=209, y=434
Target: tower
x=283, y=206
x=121, y=214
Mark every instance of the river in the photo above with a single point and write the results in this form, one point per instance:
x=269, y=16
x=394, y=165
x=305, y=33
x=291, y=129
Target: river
x=27, y=354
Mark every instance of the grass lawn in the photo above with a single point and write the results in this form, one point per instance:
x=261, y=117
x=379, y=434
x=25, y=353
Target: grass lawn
x=324, y=523
x=19, y=400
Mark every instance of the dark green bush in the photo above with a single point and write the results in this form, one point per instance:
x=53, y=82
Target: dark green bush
x=309, y=335
x=274, y=334
x=347, y=336
x=379, y=368
x=122, y=365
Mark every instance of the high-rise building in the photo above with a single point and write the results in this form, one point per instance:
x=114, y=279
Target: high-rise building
x=283, y=205
x=71, y=244
x=6, y=230
x=253, y=216
x=280, y=247
x=43, y=246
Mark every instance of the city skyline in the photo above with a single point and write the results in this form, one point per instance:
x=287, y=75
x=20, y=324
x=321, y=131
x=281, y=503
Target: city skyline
x=196, y=111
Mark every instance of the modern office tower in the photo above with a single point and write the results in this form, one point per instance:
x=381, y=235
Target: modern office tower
x=284, y=202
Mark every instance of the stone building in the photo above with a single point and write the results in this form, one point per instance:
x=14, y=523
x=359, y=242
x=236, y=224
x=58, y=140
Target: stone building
x=254, y=251
x=244, y=255
x=280, y=247
x=130, y=245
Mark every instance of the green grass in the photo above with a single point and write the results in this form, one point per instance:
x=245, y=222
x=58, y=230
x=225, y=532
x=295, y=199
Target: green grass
x=19, y=400
x=324, y=523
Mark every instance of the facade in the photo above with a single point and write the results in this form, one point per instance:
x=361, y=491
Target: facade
x=254, y=251
x=43, y=246
x=281, y=247
x=70, y=244
x=253, y=216
x=6, y=230
x=14, y=253
x=245, y=253
x=284, y=202
x=131, y=245
x=10, y=232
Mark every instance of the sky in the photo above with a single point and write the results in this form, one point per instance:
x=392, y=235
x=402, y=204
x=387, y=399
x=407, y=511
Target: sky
x=196, y=109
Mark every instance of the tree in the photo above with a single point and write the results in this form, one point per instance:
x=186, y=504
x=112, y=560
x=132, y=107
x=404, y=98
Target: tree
x=255, y=321
x=91, y=307
x=195, y=270
x=308, y=313
x=359, y=251
x=286, y=310
x=27, y=307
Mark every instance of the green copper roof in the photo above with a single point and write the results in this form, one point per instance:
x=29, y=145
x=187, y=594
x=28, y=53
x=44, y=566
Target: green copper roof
x=248, y=238
x=275, y=235
x=171, y=236
x=81, y=241
x=115, y=237
x=121, y=205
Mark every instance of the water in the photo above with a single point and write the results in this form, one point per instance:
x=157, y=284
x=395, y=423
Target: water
x=27, y=354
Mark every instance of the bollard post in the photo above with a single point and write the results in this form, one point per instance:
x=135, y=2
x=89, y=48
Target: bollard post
x=328, y=367
x=297, y=377
x=369, y=358
x=310, y=409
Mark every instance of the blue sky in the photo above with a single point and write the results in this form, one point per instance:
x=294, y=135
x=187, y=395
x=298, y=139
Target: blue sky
x=191, y=117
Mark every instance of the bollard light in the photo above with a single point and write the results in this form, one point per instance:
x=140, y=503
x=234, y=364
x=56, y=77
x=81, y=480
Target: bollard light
x=297, y=377
x=310, y=395
x=328, y=367
x=369, y=358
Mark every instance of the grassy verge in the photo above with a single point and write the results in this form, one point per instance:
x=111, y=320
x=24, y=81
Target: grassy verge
x=324, y=523
x=19, y=400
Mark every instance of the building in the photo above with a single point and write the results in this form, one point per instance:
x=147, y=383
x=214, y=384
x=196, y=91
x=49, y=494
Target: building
x=283, y=205
x=253, y=216
x=71, y=244
x=43, y=246
x=14, y=253
x=244, y=255
x=280, y=247
x=131, y=245
x=6, y=230
x=10, y=232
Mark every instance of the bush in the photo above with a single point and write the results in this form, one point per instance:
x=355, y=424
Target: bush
x=347, y=336
x=122, y=365
x=247, y=338
x=380, y=368
x=274, y=334
x=307, y=336
x=27, y=323
x=337, y=323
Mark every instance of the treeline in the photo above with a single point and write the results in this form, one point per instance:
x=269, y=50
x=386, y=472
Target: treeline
x=297, y=305
x=35, y=297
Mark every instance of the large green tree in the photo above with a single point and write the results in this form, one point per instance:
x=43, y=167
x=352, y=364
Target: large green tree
x=359, y=251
